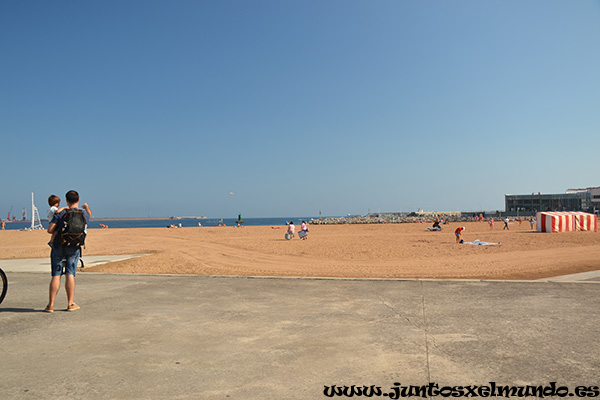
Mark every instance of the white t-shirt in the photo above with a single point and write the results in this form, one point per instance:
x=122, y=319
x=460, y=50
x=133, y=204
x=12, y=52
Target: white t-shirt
x=51, y=213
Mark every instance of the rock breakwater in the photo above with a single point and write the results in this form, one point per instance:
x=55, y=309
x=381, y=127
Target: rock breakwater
x=390, y=219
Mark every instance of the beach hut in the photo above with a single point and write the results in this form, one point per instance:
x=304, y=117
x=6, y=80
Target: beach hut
x=585, y=222
x=566, y=221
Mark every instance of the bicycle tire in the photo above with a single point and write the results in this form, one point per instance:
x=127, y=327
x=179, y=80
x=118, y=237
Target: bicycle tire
x=79, y=266
x=4, y=285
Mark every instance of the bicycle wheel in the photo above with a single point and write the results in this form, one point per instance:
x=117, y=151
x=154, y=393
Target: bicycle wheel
x=79, y=266
x=4, y=285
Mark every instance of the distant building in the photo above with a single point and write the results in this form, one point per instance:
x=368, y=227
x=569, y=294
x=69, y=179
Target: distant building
x=593, y=199
x=587, y=199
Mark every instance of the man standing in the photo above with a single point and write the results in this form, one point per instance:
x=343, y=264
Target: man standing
x=70, y=225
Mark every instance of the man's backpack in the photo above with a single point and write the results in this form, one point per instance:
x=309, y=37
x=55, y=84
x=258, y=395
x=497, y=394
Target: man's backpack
x=74, y=228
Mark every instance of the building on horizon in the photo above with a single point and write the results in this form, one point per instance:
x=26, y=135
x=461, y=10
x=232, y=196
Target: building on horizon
x=587, y=199
x=594, y=197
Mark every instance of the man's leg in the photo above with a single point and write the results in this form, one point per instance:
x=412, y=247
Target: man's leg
x=72, y=259
x=56, y=269
x=70, y=288
x=54, y=286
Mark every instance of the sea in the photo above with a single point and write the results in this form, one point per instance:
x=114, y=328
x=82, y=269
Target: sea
x=163, y=223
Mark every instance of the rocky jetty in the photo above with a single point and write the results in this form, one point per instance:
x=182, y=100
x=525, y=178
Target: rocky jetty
x=391, y=219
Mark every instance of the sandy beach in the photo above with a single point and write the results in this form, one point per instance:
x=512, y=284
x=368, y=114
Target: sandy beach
x=375, y=251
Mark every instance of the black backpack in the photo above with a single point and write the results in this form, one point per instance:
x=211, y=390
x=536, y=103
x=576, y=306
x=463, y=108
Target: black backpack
x=74, y=228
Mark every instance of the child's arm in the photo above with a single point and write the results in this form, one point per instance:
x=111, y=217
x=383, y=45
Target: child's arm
x=61, y=210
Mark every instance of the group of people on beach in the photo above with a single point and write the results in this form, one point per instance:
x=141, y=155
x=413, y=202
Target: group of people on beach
x=459, y=230
x=518, y=219
x=303, y=234
x=506, y=220
x=437, y=222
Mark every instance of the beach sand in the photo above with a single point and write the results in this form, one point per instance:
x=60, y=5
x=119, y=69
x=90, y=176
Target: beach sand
x=357, y=251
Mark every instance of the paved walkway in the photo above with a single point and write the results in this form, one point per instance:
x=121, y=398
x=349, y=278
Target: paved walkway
x=592, y=276
x=43, y=264
x=198, y=337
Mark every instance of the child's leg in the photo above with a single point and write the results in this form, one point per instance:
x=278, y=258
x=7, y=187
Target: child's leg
x=52, y=238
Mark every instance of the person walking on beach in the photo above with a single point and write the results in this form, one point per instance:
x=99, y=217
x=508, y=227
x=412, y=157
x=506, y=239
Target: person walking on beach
x=458, y=233
x=491, y=224
x=506, y=224
x=532, y=223
x=71, y=225
x=291, y=229
x=304, y=228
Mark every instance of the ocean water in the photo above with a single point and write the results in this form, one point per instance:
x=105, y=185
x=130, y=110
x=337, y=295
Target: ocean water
x=163, y=223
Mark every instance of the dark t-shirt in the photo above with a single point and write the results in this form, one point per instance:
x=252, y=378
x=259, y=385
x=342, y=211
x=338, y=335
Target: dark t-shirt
x=58, y=219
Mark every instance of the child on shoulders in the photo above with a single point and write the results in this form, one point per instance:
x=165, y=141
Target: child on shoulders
x=53, y=202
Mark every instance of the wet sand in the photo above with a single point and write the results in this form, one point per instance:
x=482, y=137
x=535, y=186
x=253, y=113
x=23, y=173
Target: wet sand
x=357, y=251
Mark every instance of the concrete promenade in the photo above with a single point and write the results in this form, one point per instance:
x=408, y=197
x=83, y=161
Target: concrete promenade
x=198, y=337
x=42, y=265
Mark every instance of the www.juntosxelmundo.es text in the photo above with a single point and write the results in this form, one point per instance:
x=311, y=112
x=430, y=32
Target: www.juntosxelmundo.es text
x=433, y=389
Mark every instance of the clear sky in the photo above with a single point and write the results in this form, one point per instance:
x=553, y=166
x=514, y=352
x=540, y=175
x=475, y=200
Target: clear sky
x=160, y=107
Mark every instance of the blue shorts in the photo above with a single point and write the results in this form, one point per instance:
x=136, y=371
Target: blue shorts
x=71, y=254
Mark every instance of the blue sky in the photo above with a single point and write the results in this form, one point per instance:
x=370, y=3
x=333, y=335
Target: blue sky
x=166, y=107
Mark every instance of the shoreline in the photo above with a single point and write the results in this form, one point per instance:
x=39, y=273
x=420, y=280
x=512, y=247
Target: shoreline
x=388, y=218
x=28, y=221
x=144, y=218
